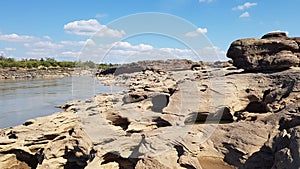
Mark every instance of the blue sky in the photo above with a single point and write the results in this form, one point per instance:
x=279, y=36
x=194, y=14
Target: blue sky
x=64, y=29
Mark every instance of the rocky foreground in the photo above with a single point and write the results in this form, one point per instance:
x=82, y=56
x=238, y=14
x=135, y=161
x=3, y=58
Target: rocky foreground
x=189, y=116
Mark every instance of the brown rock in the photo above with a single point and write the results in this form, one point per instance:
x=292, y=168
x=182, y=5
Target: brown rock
x=273, y=52
x=149, y=164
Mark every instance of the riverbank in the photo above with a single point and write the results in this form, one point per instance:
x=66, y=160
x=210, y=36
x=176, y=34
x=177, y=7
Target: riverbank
x=34, y=73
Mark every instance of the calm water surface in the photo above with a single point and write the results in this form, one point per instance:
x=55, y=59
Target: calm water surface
x=23, y=100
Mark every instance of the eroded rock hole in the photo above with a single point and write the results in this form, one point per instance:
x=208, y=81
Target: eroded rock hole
x=244, y=116
x=124, y=163
x=203, y=88
x=65, y=106
x=187, y=166
x=196, y=117
x=76, y=158
x=51, y=136
x=248, y=90
x=12, y=135
x=179, y=150
x=266, y=93
x=161, y=122
x=287, y=123
x=257, y=107
x=71, y=131
x=28, y=123
x=222, y=115
x=171, y=91
x=31, y=160
x=118, y=120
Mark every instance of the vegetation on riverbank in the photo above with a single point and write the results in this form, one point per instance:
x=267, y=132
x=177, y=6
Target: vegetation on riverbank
x=47, y=63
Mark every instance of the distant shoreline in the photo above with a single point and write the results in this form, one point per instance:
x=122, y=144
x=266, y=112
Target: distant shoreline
x=11, y=74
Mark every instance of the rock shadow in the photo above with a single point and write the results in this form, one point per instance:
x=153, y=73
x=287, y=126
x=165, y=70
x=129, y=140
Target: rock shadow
x=124, y=163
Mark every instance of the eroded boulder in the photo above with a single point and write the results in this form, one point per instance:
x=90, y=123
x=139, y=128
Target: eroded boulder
x=275, y=51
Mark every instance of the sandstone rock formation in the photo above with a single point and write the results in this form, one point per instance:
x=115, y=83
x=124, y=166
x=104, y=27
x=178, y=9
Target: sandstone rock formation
x=216, y=117
x=167, y=65
x=55, y=141
x=274, y=51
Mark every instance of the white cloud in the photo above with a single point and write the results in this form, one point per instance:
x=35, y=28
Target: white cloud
x=73, y=43
x=71, y=53
x=175, y=50
x=245, y=15
x=178, y=53
x=124, y=52
x=10, y=49
x=83, y=27
x=118, y=52
x=198, y=32
x=92, y=27
x=128, y=46
x=43, y=49
x=206, y=1
x=104, y=31
x=245, y=6
x=47, y=37
x=17, y=38
x=77, y=43
x=212, y=53
x=38, y=52
x=43, y=44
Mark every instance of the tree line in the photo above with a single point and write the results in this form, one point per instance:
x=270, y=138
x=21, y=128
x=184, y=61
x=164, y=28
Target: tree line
x=48, y=63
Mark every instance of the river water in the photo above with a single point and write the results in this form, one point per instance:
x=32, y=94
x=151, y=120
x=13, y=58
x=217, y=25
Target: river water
x=23, y=100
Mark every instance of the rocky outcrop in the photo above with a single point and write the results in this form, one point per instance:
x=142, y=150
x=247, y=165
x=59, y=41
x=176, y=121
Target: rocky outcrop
x=274, y=51
x=55, y=141
x=217, y=117
x=154, y=65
